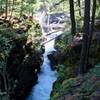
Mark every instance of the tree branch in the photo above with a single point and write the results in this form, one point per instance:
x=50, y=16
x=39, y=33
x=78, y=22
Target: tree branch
x=59, y=2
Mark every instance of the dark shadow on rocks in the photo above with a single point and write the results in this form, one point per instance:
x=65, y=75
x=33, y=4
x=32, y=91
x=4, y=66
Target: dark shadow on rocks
x=23, y=64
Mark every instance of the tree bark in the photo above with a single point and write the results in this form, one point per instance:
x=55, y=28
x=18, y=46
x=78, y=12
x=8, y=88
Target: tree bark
x=93, y=19
x=21, y=9
x=84, y=51
x=91, y=30
x=72, y=16
x=9, y=5
x=1, y=4
x=6, y=10
x=79, y=7
x=12, y=9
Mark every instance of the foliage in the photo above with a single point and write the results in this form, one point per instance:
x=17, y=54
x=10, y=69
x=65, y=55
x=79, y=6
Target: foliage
x=5, y=45
x=63, y=43
x=81, y=86
x=15, y=42
x=14, y=45
x=68, y=86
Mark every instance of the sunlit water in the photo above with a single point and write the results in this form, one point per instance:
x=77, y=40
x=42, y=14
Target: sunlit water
x=46, y=78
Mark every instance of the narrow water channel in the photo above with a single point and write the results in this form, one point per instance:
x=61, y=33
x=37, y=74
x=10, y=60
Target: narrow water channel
x=46, y=78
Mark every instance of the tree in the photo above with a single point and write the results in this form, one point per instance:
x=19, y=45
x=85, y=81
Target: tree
x=72, y=16
x=93, y=19
x=6, y=9
x=21, y=9
x=86, y=30
x=79, y=7
x=12, y=9
x=1, y=4
x=9, y=5
x=91, y=31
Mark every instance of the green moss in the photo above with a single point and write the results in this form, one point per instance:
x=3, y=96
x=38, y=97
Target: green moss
x=83, y=87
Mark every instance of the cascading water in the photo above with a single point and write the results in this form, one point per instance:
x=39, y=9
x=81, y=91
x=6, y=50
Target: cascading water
x=46, y=77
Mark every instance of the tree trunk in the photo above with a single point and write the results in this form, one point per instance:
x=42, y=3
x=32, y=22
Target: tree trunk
x=72, y=16
x=32, y=13
x=84, y=51
x=1, y=4
x=79, y=7
x=6, y=10
x=9, y=5
x=12, y=10
x=93, y=19
x=21, y=10
x=91, y=30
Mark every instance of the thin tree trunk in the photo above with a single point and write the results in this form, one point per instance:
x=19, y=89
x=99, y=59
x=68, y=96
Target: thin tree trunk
x=84, y=52
x=21, y=10
x=6, y=10
x=72, y=16
x=91, y=31
x=29, y=10
x=5, y=82
x=9, y=5
x=93, y=19
x=79, y=7
x=32, y=13
x=1, y=4
x=12, y=10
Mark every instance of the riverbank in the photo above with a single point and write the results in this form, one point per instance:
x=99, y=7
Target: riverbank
x=46, y=77
x=69, y=84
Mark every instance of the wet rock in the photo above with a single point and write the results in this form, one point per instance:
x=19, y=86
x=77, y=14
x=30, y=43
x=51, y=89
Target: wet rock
x=53, y=57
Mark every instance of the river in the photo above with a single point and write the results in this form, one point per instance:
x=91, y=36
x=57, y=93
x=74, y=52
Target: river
x=46, y=78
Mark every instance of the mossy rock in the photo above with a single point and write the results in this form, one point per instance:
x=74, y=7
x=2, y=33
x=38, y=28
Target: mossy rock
x=56, y=96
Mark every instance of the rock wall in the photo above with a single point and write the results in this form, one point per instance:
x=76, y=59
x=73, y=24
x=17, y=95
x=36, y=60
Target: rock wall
x=23, y=64
x=20, y=61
